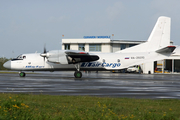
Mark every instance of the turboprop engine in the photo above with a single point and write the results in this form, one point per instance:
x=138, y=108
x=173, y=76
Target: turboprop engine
x=56, y=56
x=68, y=56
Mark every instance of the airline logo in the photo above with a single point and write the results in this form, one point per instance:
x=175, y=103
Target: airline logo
x=29, y=66
x=126, y=57
x=98, y=64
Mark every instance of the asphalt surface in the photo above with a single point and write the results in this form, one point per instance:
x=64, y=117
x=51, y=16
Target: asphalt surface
x=94, y=84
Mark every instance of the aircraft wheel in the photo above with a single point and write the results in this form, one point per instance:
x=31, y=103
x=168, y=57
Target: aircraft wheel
x=22, y=74
x=77, y=74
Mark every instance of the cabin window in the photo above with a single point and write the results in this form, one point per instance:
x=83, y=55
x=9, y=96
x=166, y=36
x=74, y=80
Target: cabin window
x=103, y=61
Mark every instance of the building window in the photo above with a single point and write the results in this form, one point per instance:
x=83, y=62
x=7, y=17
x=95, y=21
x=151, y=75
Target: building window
x=67, y=46
x=95, y=47
x=123, y=46
x=130, y=45
x=81, y=47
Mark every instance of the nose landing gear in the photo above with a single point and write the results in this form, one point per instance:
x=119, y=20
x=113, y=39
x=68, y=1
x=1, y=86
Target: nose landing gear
x=22, y=74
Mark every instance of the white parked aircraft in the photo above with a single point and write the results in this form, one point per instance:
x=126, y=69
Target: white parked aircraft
x=156, y=48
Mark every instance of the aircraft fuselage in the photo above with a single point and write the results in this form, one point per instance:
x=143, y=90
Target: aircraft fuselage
x=107, y=61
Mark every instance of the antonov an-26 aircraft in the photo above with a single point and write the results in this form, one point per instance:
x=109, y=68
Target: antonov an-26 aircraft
x=156, y=48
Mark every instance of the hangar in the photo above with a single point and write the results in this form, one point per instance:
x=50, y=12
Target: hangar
x=170, y=64
x=105, y=44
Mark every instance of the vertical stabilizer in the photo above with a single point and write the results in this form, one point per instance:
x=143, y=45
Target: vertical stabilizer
x=159, y=37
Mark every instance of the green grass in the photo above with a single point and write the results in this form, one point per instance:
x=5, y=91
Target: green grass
x=47, y=107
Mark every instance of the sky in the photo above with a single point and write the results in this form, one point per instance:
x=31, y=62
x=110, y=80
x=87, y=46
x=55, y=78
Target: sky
x=27, y=25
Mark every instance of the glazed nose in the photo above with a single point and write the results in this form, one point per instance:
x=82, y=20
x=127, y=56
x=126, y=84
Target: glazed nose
x=7, y=65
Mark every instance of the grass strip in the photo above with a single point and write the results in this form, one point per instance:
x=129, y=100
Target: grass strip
x=45, y=107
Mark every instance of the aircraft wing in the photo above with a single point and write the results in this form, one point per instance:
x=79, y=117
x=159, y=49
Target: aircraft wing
x=75, y=52
x=80, y=56
x=69, y=56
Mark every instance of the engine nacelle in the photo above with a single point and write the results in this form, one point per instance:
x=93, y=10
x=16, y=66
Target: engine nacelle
x=57, y=56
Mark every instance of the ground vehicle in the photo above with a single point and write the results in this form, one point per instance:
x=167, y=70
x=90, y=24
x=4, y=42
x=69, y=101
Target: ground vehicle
x=133, y=69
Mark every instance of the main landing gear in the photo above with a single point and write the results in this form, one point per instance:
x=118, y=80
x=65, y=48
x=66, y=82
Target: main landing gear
x=22, y=74
x=77, y=74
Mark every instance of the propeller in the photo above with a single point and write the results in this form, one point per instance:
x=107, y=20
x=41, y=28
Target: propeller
x=44, y=54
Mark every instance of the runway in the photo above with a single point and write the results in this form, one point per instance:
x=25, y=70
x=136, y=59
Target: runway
x=94, y=84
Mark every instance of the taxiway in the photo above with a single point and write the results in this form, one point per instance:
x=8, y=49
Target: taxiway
x=94, y=84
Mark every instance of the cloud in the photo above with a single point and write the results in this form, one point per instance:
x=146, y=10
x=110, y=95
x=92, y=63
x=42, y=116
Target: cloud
x=115, y=10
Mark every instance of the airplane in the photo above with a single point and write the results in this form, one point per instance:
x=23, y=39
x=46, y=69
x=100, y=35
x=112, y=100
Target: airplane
x=157, y=47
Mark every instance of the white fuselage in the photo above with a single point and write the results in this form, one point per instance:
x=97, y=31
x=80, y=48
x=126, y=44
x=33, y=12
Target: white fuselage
x=107, y=61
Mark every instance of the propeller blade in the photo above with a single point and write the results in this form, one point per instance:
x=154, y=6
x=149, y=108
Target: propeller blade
x=45, y=48
x=44, y=55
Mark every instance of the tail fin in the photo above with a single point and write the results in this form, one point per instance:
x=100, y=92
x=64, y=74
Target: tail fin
x=159, y=38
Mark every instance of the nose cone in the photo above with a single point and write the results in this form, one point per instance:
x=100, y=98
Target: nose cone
x=7, y=65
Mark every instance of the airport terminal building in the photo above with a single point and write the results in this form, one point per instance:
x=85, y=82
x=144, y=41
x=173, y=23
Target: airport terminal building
x=105, y=44
x=97, y=44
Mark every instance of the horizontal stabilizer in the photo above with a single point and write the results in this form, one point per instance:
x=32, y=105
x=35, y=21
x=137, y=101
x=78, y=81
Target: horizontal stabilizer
x=168, y=49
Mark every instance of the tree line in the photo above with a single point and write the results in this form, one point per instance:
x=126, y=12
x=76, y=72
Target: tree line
x=2, y=61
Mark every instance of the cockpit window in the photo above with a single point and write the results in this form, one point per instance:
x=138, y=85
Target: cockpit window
x=20, y=57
